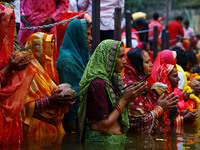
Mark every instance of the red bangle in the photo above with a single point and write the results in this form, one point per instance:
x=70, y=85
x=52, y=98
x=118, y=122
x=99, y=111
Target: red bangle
x=118, y=107
x=158, y=111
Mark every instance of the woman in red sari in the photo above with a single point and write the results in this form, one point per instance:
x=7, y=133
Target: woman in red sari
x=145, y=110
x=167, y=74
x=169, y=57
x=14, y=81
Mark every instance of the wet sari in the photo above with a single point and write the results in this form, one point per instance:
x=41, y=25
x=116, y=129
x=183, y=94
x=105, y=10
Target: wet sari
x=16, y=84
x=101, y=66
x=161, y=75
x=163, y=65
x=72, y=60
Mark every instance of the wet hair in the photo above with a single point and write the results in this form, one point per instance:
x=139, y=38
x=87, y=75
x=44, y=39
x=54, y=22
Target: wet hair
x=136, y=60
x=180, y=55
x=155, y=16
x=191, y=57
x=179, y=18
x=186, y=22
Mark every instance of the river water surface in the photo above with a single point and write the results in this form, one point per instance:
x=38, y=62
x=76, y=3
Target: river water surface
x=190, y=139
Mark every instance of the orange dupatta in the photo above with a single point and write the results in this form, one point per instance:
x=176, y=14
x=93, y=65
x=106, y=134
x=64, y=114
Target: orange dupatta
x=44, y=50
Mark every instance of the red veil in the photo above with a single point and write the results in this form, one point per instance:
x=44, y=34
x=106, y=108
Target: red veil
x=13, y=94
x=161, y=75
x=164, y=57
x=132, y=76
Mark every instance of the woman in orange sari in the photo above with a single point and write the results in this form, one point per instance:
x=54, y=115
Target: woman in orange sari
x=44, y=105
x=15, y=80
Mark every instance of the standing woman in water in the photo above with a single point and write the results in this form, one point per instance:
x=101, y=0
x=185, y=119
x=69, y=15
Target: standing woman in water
x=73, y=57
x=145, y=110
x=103, y=112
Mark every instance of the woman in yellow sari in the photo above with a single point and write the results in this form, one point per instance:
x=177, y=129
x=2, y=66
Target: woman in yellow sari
x=44, y=107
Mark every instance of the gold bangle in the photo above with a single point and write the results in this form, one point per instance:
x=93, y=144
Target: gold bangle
x=158, y=111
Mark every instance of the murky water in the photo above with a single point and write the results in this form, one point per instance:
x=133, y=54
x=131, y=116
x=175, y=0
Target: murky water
x=188, y=140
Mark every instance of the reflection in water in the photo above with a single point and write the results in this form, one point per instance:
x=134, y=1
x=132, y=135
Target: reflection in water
x=190, y=139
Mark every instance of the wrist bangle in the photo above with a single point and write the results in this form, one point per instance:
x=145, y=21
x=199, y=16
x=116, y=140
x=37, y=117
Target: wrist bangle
x=118, y=107
x=42, y=103
x=46, y=101
x=158, y=111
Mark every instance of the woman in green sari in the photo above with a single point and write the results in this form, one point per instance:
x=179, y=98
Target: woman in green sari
x=103, y=111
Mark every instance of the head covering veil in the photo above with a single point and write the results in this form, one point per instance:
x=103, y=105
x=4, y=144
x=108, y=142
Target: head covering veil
x=101, y=65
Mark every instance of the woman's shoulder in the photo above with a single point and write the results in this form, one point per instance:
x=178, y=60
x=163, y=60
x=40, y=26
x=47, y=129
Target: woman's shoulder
x=129, y=79
x=97, y=82
x=97, y=90
x=65, y=58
